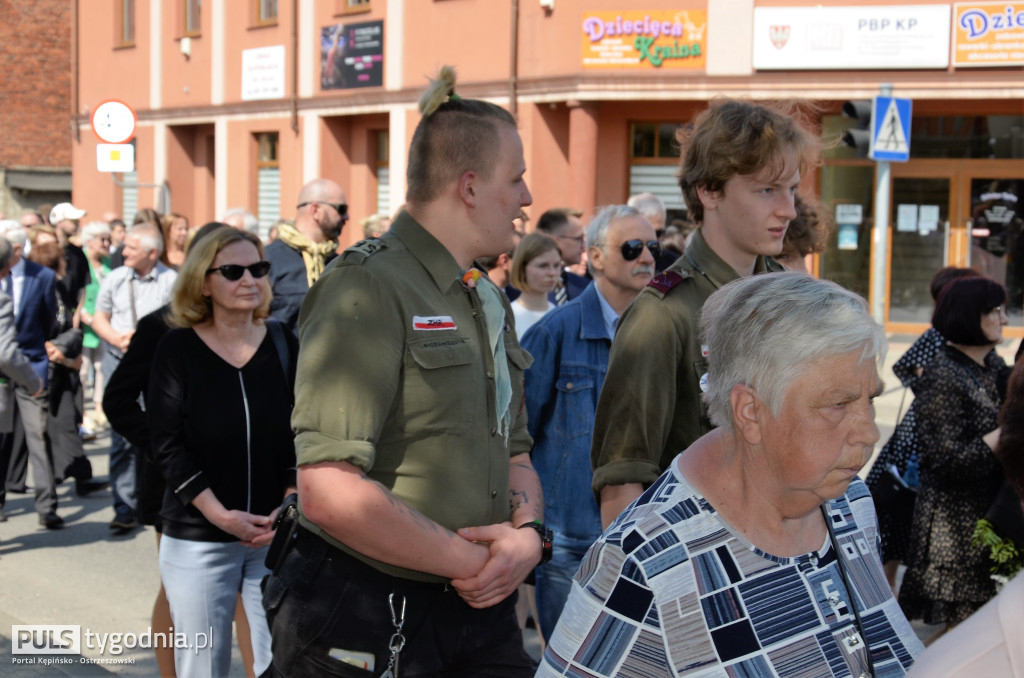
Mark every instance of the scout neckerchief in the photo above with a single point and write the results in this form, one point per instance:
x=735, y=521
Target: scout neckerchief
x=494, y=313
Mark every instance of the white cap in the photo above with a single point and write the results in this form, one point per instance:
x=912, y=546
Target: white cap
x=64, y=211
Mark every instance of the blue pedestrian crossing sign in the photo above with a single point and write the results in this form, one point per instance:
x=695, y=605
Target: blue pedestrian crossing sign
x=890, y=133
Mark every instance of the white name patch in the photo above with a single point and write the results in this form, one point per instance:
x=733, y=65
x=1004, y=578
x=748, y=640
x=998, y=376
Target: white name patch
x=430, y=323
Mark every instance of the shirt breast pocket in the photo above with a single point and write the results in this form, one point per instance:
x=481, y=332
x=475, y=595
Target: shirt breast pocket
x=438, y=380
x=576, y=404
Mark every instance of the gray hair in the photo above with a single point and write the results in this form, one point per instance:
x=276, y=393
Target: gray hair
x=765, y=330
x=14, y=232
x=648, y=205
x=94, y=229
x=249, y=221
x=6, y=253
x=150, y=237
x=597, y=229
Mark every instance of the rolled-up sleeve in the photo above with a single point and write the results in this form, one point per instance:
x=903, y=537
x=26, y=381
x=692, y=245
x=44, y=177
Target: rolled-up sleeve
x=349, y=370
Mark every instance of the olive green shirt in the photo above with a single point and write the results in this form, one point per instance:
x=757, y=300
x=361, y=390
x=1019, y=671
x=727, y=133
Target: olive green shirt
x=395, y=376
x=651, y=407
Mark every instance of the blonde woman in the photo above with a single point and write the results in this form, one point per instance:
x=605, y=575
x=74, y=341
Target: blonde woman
x=219, y=407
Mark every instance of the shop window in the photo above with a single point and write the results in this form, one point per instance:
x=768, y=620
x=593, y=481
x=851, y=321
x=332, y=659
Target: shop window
x=654, y=163
x=268, y=181
x=192, y=17
x=655, y=140
x=995, y=137
x=353, y=6
x=125, y=23
x=266, y=12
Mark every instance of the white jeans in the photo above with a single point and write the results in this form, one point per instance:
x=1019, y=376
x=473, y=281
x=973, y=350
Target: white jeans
x=202, y=580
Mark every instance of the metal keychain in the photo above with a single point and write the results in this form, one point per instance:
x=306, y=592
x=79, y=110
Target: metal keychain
x=397, y=641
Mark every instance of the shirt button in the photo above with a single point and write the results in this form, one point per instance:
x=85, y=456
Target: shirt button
x=814, y=560
x=568, y=386
x=490, y=375
x=494, y=493
x=494, y=432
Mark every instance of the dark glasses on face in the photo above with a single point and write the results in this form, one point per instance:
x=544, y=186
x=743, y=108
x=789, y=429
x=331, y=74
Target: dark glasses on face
x=339, y=207
x=235, y=272
x=631, y=249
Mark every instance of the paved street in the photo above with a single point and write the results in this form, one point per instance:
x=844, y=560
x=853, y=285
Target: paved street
x=83, y=575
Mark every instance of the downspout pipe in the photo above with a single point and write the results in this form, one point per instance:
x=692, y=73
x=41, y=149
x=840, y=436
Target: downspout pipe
x=513, y=76
x=74, y=71
x=295, y=67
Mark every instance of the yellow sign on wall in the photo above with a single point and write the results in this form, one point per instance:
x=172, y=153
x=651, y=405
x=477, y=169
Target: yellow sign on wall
x=988, y=34
x=641, y=39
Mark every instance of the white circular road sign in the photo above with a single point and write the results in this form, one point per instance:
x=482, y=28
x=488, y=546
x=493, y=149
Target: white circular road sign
x=114, y=122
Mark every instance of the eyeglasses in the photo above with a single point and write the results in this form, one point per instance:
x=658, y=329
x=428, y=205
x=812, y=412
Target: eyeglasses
x=235, y=272
x=339, y=207
x=997, y=310
x=631, y=249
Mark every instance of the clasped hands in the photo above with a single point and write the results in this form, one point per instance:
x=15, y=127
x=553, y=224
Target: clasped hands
x=507, y=556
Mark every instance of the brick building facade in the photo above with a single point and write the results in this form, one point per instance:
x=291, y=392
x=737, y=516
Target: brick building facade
x=35, y=103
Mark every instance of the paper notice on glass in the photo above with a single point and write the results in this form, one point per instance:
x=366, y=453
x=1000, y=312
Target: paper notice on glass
x=849, y=214
x=906, y=218
x=927, y=219
x=847, y=236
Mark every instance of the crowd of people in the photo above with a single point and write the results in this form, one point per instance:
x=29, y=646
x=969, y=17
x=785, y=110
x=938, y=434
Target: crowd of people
x=361, y=456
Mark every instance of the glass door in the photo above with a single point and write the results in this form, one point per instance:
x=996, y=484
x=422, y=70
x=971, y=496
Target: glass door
x=997, y=237
x=919, y=237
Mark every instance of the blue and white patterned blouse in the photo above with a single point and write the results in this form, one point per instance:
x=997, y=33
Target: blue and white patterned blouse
x=671, y=589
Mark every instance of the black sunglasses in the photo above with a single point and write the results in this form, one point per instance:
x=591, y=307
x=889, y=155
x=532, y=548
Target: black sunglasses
x=631, y=249
x=339, y=207
x=235, y=272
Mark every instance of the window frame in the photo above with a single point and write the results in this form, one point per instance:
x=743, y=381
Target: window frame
x=258, y=19
x=188, y=6
x=125, y=21
x=346, y=7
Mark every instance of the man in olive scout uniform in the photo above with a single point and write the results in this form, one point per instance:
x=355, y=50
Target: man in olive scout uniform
x=740, y=168
x=414, y=469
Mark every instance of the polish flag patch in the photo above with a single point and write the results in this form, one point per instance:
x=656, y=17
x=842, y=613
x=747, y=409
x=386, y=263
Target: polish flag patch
x=435, y=322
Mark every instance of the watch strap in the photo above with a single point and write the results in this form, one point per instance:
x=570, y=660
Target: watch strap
x=547, y=538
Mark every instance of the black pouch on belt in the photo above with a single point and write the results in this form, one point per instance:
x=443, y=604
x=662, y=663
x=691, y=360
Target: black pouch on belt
x=286, y=526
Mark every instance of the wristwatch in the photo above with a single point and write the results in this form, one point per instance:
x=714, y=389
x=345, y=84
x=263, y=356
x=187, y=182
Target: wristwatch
x=547, y=538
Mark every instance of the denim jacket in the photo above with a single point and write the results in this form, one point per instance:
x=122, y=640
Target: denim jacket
x=570, y=347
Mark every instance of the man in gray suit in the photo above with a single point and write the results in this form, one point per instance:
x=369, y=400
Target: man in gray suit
x=33, y=289
x=15, y=368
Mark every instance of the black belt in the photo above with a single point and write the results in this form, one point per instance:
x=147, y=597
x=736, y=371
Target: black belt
x=332, y=559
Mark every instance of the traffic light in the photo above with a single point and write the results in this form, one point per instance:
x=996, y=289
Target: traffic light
x=858, y=137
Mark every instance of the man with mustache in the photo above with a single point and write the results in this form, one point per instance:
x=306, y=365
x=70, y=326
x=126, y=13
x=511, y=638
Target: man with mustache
x=570, y=348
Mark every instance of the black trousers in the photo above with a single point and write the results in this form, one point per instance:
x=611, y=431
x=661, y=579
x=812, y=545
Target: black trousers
x=323, y=604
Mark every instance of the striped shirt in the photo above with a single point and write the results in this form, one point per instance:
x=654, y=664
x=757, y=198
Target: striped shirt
x=671, y=589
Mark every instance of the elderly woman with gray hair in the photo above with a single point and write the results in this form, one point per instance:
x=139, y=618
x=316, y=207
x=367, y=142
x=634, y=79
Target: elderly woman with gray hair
x=756, y=552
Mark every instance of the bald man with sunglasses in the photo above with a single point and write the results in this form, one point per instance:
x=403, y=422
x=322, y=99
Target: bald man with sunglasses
x=301, y=252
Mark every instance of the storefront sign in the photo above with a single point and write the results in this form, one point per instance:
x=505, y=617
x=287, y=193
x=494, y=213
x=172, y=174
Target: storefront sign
x=876, y=36
x=352, y=55
x=988, y=34
x=263, y=73
x=641, y=39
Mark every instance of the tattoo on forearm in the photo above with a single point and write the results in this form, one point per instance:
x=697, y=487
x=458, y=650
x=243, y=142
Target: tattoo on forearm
x=420, y=520
x=517, y=499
